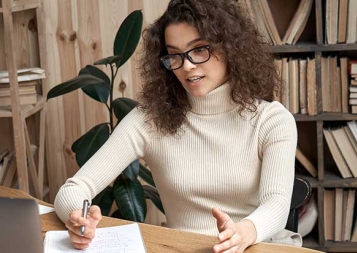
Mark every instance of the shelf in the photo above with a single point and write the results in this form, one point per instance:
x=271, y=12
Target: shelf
x=333, y=181
x=310, y=47
x=326, y=117
x=22, y=5
x=27, y=110
x=340, y=246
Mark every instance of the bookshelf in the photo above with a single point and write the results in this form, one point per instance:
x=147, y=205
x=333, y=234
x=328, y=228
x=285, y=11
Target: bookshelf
x=312, y=44
x=30, y=171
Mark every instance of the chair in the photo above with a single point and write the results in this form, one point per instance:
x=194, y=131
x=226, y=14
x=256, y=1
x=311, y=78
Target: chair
x=301, y=193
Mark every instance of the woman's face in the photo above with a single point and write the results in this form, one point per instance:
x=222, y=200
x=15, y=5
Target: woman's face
x=197, y=79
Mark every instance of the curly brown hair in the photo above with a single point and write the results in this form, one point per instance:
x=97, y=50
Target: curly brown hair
x=227, y=27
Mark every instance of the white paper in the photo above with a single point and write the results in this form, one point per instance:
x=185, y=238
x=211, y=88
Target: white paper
x=44, y=209
x=118, y=239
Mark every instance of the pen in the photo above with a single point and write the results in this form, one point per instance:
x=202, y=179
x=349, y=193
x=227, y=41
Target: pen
x=84, y=213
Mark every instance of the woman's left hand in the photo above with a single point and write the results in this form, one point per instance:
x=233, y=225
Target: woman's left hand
x=233, y=237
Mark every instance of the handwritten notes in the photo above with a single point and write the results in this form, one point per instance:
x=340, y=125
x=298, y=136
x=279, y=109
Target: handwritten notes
x=119, y=239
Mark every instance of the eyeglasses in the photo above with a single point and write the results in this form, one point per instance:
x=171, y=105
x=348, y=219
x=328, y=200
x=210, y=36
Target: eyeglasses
x=195, y=55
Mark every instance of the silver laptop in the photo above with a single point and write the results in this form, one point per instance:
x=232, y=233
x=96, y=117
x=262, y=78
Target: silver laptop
x=20, y=227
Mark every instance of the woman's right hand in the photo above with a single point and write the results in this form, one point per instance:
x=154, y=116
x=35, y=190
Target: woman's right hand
x=75, y=222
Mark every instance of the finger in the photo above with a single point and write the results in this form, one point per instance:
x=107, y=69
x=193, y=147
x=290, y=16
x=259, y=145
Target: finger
x=79, y=242
x=232, y=242
x=221, y=217
x=232, y=250
x=226, y=234
x=95, y=213
x=77, y=220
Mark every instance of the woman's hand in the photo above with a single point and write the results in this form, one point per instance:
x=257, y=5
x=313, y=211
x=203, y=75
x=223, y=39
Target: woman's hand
x=76, y=221
x=233, y=237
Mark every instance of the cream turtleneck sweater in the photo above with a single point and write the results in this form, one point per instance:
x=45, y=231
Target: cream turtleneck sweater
x=243, y=165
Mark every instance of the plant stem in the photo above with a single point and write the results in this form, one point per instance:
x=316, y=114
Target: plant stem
x=111, y=98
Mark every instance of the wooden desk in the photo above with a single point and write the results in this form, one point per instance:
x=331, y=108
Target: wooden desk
x=158, y=239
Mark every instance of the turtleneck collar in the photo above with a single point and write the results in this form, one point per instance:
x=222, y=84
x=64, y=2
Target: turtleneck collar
x=215, y=102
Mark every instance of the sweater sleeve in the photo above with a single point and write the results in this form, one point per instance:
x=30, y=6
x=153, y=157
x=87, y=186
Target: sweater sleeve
x=126, y=144
x=278, y=140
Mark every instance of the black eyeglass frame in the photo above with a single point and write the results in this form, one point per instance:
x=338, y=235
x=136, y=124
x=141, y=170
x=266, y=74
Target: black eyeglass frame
x=185, y=55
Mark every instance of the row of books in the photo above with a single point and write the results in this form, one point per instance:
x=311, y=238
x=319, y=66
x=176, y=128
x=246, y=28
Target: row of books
x=298, y=87
x=335, y=84
x=262, y=17
x=339, y=205
x=353, y=85
x=29, y=81
x=340, y=21
x=342, y=143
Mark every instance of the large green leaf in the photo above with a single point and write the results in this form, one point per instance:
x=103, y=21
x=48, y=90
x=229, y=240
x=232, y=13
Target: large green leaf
x=100, y=91
x=122, y=106
x=128, y=36
x=109, y=60
x=74, y=84
x=153, y=194
x=132, y=170
x=104, y=200
x=91, y=142
x=130, y=199
x=146, y=175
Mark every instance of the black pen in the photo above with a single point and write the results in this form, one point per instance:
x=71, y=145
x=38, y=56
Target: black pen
x=84, y=213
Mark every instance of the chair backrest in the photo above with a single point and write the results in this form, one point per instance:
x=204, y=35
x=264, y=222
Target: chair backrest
x=301, y=193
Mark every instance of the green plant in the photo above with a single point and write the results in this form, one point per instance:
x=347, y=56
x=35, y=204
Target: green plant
x=127, y=191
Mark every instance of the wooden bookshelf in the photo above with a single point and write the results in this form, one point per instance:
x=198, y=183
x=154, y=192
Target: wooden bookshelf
x=28, y=169
x=312, y=44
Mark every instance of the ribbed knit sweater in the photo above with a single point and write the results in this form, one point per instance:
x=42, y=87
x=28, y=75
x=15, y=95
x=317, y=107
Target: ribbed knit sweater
x=242, y=164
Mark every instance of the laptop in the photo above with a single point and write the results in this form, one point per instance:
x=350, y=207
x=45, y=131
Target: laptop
x=20, y=227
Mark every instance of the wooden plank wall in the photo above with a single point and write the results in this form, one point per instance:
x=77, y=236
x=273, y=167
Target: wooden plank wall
x=79, y=32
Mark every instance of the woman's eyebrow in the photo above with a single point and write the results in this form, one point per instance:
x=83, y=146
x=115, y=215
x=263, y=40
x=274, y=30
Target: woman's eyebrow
x=188, y=44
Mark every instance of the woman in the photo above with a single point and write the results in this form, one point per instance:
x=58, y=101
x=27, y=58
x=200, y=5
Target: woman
x=221, y=152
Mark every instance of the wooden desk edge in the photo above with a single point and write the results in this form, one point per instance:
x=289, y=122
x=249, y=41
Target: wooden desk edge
x=172, y=242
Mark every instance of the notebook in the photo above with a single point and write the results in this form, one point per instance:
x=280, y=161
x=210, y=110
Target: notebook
x=117, y=239
x=20, y=227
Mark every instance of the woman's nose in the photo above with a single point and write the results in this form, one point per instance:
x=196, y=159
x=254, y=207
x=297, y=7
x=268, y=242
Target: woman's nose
x=187, y=65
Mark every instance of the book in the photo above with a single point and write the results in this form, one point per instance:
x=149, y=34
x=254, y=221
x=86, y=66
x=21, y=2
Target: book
x=351, y=195
x=294, y=86
x=325, y=84
x=311, y=87
x=303, y=86
x=346, y=148
x=351, y=137
x=352, y=22
x=331, y=21
x=344, y=84
x=338, y=214
x=305, y=162
x=254, y=7
x=298, y=22
x=329, y=213
x=121, y=239
x=24, y=99
x=23, y=75
x=336, y=154
x=352, y=67
x=342, y=21
x=269, y=22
